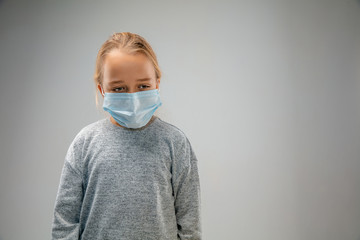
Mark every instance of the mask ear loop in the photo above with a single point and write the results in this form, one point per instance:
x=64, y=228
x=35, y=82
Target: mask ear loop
x=102, y=92
x=158, y=85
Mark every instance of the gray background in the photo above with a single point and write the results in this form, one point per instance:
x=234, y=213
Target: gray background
x=266, y=91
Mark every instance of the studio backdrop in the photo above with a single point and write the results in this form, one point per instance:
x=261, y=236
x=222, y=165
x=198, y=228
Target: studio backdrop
x=266, y=91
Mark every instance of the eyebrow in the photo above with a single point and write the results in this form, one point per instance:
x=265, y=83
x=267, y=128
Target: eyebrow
x=116, y=81
x=121, y=81
x=143, y=79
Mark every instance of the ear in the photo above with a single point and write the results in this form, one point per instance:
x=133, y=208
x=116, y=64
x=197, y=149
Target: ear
x=100, y=89
x=157, y=83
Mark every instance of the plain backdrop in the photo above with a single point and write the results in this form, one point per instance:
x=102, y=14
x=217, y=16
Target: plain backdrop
x=267, y=92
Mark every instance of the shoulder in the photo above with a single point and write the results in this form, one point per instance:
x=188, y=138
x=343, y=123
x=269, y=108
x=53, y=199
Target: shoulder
x=171, y=131
x=88, y=132
x=168, y=128
x=181, y=150
x=80, y=144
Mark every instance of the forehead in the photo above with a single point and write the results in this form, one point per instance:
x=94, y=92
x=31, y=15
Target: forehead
x=117, y=62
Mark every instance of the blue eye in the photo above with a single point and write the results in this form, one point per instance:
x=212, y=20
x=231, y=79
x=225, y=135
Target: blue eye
x=143, y=86
x=118, y=89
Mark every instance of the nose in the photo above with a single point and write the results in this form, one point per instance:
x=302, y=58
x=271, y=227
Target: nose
x=132, y=90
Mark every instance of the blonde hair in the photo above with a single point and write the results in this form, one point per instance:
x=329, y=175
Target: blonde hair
x=129, y=43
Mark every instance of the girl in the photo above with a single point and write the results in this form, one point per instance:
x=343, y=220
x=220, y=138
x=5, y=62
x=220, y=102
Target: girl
x=132, y=176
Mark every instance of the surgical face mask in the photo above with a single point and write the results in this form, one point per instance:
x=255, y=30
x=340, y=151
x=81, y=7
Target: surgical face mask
x=132, y=110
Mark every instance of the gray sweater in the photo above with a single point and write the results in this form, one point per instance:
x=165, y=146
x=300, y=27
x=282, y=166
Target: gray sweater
x=128, y=184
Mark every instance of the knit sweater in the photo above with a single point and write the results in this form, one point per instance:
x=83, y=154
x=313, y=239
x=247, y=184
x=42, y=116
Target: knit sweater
x=128, y=184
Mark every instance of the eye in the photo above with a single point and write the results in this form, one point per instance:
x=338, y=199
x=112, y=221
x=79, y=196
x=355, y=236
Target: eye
x=119, y=89
x=144, y=86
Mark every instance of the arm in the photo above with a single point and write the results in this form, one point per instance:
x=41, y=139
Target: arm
x=187, y=196
x=68, y=202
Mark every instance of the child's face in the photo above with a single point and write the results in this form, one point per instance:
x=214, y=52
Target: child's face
x=128, y=73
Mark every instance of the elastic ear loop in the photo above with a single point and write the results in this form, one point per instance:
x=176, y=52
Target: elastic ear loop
x=158, y=85
x=102, y=91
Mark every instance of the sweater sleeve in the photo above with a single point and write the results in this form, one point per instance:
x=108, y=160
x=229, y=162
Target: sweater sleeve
x=68, y=200
x=186, y=188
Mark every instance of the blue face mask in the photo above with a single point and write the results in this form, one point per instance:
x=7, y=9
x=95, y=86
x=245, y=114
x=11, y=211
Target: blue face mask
x=132, y=110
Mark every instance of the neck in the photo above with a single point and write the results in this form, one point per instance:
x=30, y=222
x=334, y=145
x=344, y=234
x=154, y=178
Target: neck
x=117, y=124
